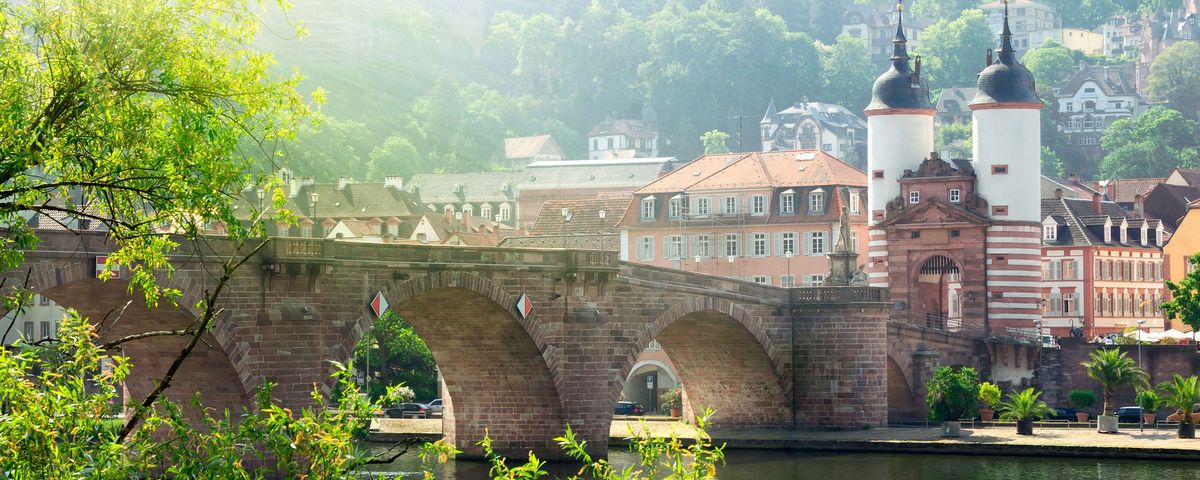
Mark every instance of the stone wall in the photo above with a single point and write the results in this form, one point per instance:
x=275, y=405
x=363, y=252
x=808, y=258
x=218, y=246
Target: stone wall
x=1060, y=370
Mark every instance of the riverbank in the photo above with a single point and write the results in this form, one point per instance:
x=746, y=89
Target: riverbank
x=1075, y=442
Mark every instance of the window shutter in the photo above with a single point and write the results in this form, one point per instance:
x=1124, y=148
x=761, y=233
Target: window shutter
x=667, y=247
x=779, y=244
x=808, y=243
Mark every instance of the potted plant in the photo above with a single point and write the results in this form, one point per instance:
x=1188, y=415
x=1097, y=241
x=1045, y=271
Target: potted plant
x=989, y=395
x=1024, y=408
x=673, y=399
x=1113, y=369
x=951, y=396
x=1149, y=401
x=1082, y=399
x=1182, y=394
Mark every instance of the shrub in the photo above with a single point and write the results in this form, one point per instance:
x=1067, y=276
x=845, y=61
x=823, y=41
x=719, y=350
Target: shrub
x=952, y=394
x=989, y=394
x=1147, y=399
x=1024, y=406
x=1082, y=398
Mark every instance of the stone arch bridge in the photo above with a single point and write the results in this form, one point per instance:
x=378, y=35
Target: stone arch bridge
x=760, y=356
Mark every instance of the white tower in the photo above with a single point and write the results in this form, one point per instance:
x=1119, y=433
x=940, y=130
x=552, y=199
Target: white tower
x=899, y=125
x=899, y=137
x=1007, y=136
x=1007, y=148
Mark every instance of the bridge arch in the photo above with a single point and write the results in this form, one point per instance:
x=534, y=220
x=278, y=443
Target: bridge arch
x=491, y=360
x=725, y=360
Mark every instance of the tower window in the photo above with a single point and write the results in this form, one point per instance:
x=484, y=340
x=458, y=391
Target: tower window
x=1000, y=210
x=914, y=197
x=955, y=195
x=877, y=174
x=915, y=234
x=999, y=169
x=955, y=233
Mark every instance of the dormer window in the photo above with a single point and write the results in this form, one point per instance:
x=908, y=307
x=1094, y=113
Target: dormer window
x=914, y=197
x=955, y=195
x=505, y=212
x=647, y=208
x=485, y=210
x=1050, y=232
x=787, y=202
x=854, y=201
x=1108, y=226
x=816, y=201
x=1145, y=231
x=1158, y=232
x=675, y=207
x=1124, y=231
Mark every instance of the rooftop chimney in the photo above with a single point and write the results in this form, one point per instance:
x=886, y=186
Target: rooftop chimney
x=1096, y=203
x=343, y=181
x=1139, y=205
x=393, y=181
x=1058, y=193
x=1075, y=179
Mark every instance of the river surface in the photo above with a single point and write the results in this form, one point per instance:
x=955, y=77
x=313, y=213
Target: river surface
x=772, y=465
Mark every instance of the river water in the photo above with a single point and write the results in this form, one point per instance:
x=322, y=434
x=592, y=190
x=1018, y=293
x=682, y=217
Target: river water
x=772, y=465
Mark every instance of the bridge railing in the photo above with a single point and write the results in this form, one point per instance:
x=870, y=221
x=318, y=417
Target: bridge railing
x=969, y=329
x=838, y=295
x=328, y=250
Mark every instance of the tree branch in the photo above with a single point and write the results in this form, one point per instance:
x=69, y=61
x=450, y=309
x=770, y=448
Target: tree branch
x=210, y=312
x=138, y=336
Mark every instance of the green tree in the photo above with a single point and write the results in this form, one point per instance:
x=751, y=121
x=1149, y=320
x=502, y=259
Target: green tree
x=1051, y=64
x=932, y=9
x=952, y=394
x=396, y=156
x=847, y=73
x=1052, y=165
x=1085, y=14
x=1185, y=297
x=327, y=148
x=953, y=49
x=147, y=105
x=953, y=140
x=1113, y=369
x=1149, y=145
x=398, y=356
x=1175, y=77
x=715, y=141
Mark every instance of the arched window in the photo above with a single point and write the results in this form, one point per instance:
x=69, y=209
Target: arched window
x=505, y=212
x=448, y=208
x=468, y=210
x=485, y=211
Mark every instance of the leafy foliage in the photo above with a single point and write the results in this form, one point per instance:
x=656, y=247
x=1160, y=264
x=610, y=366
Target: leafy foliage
x=1181, y=393
x=715, y=141
x=135, y=115
x=989, y=394
x=1051, y=64
x=1113, y=369
x=1175, y=77
x=1024, y=406
x=847, y=73
x=952, y=49
x=1185, y=297
x=952, y=394
x=397, y=355
x=55, y=422
x=1052, y=164
x=954, y=139
x=1082, y=398
x=1147, y=399
x=673, y=398
x=1149, y=145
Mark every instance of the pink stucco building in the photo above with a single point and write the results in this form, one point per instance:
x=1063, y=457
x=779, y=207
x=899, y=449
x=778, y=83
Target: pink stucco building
x=740, y=214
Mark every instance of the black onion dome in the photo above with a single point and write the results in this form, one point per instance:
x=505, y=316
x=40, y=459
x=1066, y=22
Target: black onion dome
x=899, y=87
x=1006, y=80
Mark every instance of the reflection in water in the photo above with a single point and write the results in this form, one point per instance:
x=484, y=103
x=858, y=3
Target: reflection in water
x=770, y=465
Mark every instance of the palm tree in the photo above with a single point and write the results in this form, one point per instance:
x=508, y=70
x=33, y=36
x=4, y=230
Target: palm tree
x=1114, y=369
x=1183, y=394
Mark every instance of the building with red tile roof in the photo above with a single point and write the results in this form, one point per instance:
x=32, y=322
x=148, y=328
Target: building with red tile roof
x=768, y=217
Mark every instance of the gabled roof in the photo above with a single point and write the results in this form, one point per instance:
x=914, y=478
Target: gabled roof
x=955, y=100
x=490, y=187
x=946, y=213
x=528, y=147
x=623, y=126
x=1112, y=80
x=1080, y=224
x=1125, y=189
x=793, y=168
x=830, y=115
x=579, y=174
x=1168, y=202
x=584, y=216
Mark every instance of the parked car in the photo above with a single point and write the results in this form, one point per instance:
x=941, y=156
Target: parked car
x=1129, y=414
x=628, y=408
x=1178, y=417
x=408, y=409
x=1063, y=414
x=435, y=407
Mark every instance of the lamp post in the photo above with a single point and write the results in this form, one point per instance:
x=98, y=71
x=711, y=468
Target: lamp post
x=1137, y=336
x=312, y=206
x=788, y=256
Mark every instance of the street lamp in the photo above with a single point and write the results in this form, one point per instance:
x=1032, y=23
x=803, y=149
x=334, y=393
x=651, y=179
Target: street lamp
x=697, y=259
x=788, y=256
x=312, y=205
x=1138, y=335
x=730, y=258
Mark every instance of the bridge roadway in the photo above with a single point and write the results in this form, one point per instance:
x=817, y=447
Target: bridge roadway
x=761, y=356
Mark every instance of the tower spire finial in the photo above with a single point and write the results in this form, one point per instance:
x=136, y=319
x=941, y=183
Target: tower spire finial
x=1006, y=49
x=899, y=48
